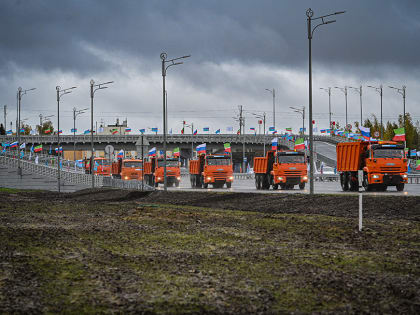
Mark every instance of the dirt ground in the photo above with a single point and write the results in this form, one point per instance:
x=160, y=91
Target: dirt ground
x=108, y=251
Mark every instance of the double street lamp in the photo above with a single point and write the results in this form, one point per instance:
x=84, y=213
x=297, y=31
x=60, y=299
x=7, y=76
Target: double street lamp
x=380, y=91
x=19, y=98
x=93, y=88
x=310, y=18
x=75, y=114
x=302, y=112
x=273, y=92
x=261, y=117
x=329, y=101
x=165, y=67
x=344, y=90
x=402, y=92
x=359, y=91
x=60, y=93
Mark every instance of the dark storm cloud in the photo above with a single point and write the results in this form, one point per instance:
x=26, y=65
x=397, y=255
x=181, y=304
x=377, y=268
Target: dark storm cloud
x=51, y=34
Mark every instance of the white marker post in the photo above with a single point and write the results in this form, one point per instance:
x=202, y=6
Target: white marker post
x=360, y=178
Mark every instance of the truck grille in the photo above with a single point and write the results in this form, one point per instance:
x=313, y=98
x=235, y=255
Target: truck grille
x=219, y=175
x=292, y=173
x=390, y=169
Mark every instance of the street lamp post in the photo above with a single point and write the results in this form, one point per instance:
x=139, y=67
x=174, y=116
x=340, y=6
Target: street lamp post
x=273, y=92
x=75, y=114
x=359, y=91
x=263, y=119
x=380, y=91
x=310, y=18
x=344, y=90
x=302, y=112
x=19, y=97
x=93, y=88
x=329, y=101
x=402, y=92
x=165, y=67
x=60, y=93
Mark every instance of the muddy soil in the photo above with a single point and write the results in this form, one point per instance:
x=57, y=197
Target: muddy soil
x=115, y=251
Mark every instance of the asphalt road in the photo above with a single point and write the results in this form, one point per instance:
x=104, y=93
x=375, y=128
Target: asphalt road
x=326, y=149
x=248, y=185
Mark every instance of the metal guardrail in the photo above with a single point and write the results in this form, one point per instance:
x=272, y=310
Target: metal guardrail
x=126, y=184
x=73, y=177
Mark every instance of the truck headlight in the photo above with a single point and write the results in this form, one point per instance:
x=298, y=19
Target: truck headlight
x=159, y=178
x=305, y=177
x=230, y=177
x=375, y=176
x=404, y=176
x=178, y=178
x=280, y=178
x=208, y=178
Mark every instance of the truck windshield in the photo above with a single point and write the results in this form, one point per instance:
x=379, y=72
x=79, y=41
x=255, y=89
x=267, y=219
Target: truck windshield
x=291, y=158
x=169, y=163
x=133, y=164
x=388, y=153
x=103, y=162
x=218, y=161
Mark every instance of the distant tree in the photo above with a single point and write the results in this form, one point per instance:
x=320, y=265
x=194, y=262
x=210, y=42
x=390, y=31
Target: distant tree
x=2, y=130
x=27, y=129
x=45, y=126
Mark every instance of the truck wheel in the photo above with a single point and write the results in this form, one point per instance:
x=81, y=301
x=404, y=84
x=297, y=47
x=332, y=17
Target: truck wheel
x=400, y=187
x=282, y=186
x=265, y=182
x=156, y=184
x=275, y=186
x=302, y=186
x=259, y=182
x=228, y=185
x=344, y=181
x=384, y=187
x=256, y=182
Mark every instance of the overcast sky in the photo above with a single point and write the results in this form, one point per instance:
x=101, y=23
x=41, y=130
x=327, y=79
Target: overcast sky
x=238, y=49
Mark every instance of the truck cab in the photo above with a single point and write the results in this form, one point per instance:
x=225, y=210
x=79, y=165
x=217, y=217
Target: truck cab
x=101, y=166
x=385, y=165
x=290, y=169
x=128, y=169
x=154, y=171
x=211, y=169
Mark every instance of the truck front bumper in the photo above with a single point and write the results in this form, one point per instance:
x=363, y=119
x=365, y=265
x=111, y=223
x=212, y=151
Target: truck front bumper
x=169, y=179
x=388, y=179
x=213, y=179
x=281, y=179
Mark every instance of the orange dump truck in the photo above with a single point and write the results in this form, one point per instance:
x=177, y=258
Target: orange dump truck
x=281, y=168
x=128, y=169
x=383, y=164
x=101, y=166
x=211, y=169
x=154, y=171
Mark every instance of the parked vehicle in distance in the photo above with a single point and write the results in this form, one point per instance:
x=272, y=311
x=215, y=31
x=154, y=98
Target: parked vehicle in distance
x=128, y=169
x=154, y=171
x=383, y=163
x=211, y=169
x=101, y=166
x=281, y=168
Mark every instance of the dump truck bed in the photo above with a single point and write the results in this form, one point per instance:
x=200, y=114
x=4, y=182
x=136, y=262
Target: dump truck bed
x=349, y=156
x=260, y=165
x=195, y=167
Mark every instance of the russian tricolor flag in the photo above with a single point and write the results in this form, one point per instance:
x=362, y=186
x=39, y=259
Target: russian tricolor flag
x=201, y=148
x=152, y=151
x=274, y=144
x=195, y=132
x=120, y=154
x=14, y=144
x=365, y=132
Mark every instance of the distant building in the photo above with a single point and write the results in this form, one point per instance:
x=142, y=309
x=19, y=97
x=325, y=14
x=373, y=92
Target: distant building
x=117, y=128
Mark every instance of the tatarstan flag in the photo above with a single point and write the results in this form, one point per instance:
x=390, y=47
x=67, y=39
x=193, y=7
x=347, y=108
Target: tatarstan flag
x=288, y=129
x=176, y=152
x=38, y=148
x=114, y=131
x=182, y=131
x=227, y=148
x=300, y=144
x=399, y=134
x=418, y=165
